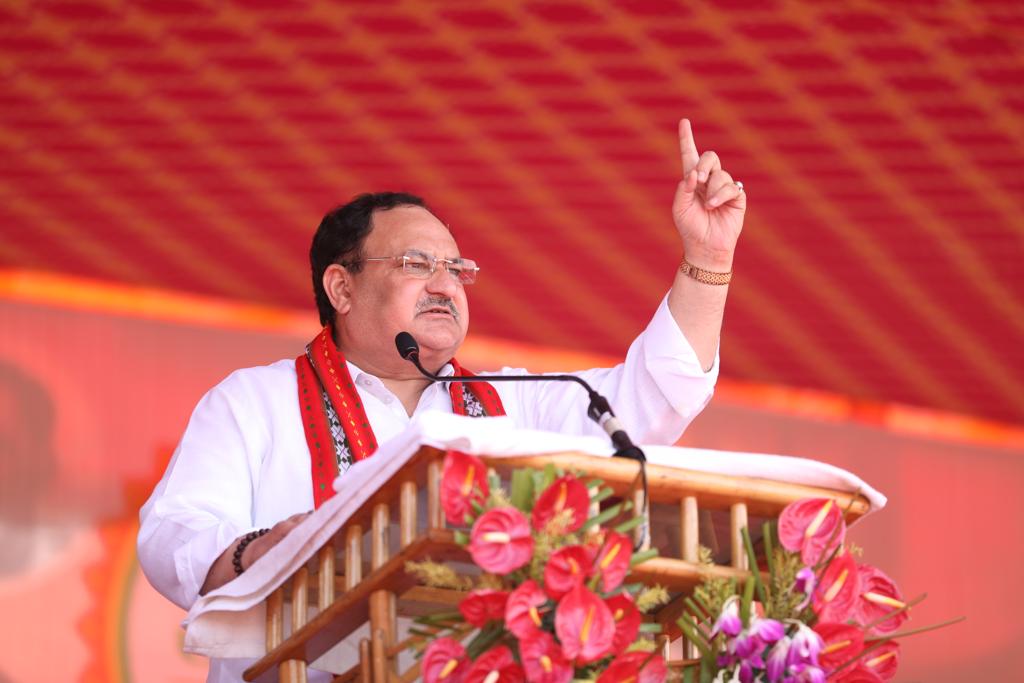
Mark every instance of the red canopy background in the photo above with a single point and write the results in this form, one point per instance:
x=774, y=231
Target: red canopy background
x=195, y=145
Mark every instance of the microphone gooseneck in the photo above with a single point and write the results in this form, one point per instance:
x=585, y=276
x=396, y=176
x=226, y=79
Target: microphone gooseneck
x=599, y=409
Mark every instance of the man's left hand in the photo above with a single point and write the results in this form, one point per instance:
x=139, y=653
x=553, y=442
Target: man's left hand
x=708, y=207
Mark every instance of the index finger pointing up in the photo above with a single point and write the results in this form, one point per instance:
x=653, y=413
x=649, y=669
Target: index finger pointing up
x=687, y=147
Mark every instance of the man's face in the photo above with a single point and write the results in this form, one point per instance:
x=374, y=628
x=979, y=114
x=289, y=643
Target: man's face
x=385, y=301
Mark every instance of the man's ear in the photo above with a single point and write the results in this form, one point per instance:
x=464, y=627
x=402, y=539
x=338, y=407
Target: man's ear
x=338, y=285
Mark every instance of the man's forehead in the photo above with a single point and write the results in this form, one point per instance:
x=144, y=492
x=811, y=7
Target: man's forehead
x=410, y=227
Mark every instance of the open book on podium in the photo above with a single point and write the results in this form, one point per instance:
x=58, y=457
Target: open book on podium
x=334, y=593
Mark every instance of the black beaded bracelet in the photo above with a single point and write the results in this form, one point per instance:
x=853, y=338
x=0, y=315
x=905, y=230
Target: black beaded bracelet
x=240, y=548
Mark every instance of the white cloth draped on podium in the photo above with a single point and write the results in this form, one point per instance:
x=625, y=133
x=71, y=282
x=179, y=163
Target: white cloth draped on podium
x=230, y=622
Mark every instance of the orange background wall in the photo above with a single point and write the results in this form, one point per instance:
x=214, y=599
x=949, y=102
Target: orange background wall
x=99, y=382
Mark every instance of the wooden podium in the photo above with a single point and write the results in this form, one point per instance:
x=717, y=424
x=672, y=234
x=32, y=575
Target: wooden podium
x=349, y=589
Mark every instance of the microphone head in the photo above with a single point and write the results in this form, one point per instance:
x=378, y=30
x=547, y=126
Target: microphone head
x=407, y=346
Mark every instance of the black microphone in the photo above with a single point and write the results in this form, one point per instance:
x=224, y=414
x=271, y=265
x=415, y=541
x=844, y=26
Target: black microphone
x=599, y=410
x=408, y=348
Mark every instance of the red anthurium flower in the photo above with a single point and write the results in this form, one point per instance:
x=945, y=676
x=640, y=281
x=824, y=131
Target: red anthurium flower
x=543, y=660
x=495, y=666
x=567, y=568
x=654, y=671
x=524, y=609
x=483, y=605
x=463, y=480
x=500, y=541
x=813, y=526
x=613, y=560
x=879, y=596
x=843, y=642
x=857, y=674
x=565, y=493
x=627, y=620
x=883, y=660
x=584, y=625
x=444, y=661
x=835, y=598
x=635, y=667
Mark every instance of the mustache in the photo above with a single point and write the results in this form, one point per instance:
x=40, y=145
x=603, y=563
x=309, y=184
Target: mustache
x=435, y=301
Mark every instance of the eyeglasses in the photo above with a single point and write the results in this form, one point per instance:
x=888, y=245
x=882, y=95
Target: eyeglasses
x=422, y=266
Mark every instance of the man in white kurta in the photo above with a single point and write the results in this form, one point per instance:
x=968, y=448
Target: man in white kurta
x=244, y=463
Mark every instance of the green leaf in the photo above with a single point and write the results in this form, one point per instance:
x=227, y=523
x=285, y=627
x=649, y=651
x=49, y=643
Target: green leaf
x=461, y=537
x=602, y=517
x=754, y=570
x=483, y=640
x=550, y=473
x=921, y=629
x=696, y=611
x=603, y=494
x=430, y=635
x=440, y=617
x=642, y=556
x=694, y=636
x=748, y=597
x=476, y=505
x=703, y=605
x=769, y=549
x=629, y=524
x=594, y=483
x=493, y=480
x=707, y=672
x=522, y=490
x=650, y=627
x=423, y=633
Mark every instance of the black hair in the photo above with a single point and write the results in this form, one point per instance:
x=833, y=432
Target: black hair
x=341, y=236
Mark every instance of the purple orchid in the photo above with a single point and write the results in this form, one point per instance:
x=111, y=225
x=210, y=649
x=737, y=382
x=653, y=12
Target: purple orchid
x=749, y=644
x=805, y=673
x=805, y=646
x=805, y=583
x=745, y=648
x=767, y=630
x=777, y=659
x=728, y=621
x=794, y=659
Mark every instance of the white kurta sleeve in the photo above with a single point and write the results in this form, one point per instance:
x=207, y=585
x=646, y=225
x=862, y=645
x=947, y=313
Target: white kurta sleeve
x=656, y=392
x=204, y=500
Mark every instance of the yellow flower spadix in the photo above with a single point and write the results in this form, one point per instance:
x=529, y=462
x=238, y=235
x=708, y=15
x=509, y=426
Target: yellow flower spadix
x=816, y=523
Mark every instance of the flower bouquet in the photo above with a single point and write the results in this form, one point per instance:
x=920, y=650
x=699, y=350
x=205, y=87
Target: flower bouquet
x=820, y=615
x=550, y=604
